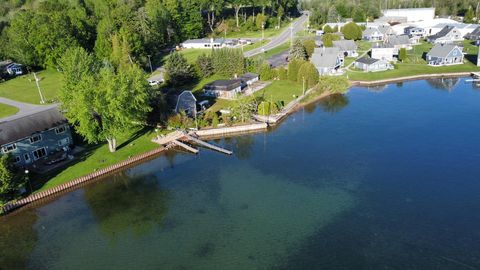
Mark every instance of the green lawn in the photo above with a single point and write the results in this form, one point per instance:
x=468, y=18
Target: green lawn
x=198, y=86
x=98, y=157
x=269, y=32
x=7, y=110
x=402, y=70
x=285, y=91
x=363, y=45
x=24, y=89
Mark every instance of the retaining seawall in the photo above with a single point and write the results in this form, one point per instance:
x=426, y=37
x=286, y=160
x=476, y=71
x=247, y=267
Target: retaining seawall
x=78, y=182
x=410, y=78
x=214, y=132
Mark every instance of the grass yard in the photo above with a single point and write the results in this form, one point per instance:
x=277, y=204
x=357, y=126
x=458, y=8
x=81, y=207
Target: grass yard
x=99, y=157
x=7, y=110
x=24, y=89
x=404, y=69
x=269, y=32
x=285, y=91
x=363, y=45
x=198, y=86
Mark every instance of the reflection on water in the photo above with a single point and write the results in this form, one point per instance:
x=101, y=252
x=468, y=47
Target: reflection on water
x=135, y=204
x=384, y=180
x=447, y=84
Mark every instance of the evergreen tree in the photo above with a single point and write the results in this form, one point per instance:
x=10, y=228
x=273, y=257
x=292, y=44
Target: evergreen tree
x=293, y=67
x=328, y=39
x=297, y=51
x=205, y=65
x=327, y=29
x=469, y=16
x=309, y=73
x=309, y=45
x=332, y=15
x=178, y=70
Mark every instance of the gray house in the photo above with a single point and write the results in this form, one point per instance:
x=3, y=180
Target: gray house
x=187, y=103
x=32, y=138
x=228, y=89
x=398, y=42
x=445, y=54
x=348, y=47
x=328, y=61
x=448, y=34
x=372, y=65
x=474, y=35
x=372, y=34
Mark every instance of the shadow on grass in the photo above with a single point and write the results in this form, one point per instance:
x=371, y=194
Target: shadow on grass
x=139, y=133
x=472, y=58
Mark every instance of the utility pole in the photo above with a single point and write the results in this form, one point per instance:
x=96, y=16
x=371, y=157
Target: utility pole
x=150, y=62
x=263, y=31
x=303, y=78
x=42, y=100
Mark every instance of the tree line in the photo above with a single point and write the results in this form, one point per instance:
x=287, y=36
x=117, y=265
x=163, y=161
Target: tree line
x=36, y=33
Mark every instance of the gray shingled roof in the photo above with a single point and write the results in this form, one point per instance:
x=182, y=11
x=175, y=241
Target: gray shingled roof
x=248, y=76
x=441, y=50
x=398, y=40
x=445, y=30
x=345, y=45
x=367, y=60
x=223, y=85
x=18, y=128
x=369, y=31
x=384, y=29
x=325, y=57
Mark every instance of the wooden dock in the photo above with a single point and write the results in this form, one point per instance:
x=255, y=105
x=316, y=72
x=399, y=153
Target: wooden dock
x=475, y=74
x=179, y=138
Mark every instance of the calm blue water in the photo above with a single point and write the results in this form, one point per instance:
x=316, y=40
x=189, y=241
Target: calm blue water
x=378, y=179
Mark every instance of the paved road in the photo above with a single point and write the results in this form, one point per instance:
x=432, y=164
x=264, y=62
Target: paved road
x=279, y=59
x=298, y=26
x=24, y=108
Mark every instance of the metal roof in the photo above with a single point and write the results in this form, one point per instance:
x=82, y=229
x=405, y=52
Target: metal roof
x=442, y=50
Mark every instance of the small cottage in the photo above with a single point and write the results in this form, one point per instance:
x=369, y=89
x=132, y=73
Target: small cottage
x=445, y=54
x=372, y=65
x=347, y=47
x=474, y=35
x=227, y=89
x=398, y=42
x=34, y=137
x=372, y=34
x=186, y=103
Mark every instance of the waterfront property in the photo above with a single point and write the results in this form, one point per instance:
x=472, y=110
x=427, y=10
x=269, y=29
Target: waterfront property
x=227, y=89
x=32, y=138
x=372, y=65
x=448, y=34
x=328, y=61
x=219, y=212
x=347, y=47
x=445, y=54
x=372, y=34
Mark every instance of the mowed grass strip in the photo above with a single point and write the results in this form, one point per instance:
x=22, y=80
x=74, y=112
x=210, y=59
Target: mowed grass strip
x=7, y=110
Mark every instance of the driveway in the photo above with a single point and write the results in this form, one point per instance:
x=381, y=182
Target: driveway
x=278, y=40
x=23, y=108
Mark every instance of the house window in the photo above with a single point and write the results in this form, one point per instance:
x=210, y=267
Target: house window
x=39, y=153
x=26, y=157
x=9, y=148
x=17, y=159
x=63, y=142
x=35, y=138
x=60, y=129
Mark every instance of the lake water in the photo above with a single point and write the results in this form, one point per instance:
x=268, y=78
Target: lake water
x=386, y=178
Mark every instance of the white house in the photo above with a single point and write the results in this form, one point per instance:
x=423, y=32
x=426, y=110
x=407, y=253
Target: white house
x=445, y=54
x=205, y=43
x=383, y=52
x=372, y=65
x=414, y=31
x=448, y=34
x=372, y=34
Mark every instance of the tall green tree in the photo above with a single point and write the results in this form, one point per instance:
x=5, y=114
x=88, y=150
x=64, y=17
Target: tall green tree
x=297, y=51
x=352, y=31
x=178, y=70
x=10, y=180
x=103, y=102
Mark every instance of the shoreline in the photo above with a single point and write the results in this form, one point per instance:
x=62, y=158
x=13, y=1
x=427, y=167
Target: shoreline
x=410, y=78
x=295, y=105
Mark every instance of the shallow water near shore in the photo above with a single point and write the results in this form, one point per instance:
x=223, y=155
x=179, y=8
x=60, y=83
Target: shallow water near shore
x=383, y=178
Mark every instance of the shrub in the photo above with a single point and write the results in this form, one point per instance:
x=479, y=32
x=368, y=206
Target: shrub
x=327, y=29
x=402, y=54
x=308, y=72
x=309, y=45
x=282, y=73
x=266, y=72
x=328, y=39
x=293, y=68
x=215, y=120
x=267, y=108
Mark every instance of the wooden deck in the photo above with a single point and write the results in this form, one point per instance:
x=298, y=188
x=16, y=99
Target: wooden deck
x=179, y=138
